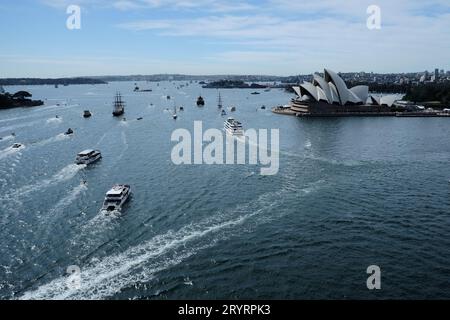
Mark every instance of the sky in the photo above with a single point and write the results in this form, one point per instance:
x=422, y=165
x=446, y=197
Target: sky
x=205, y=37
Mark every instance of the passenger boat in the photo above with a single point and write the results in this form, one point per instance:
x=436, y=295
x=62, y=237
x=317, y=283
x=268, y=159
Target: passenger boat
x=116, y=198
x=88, y=156
x=233, y=127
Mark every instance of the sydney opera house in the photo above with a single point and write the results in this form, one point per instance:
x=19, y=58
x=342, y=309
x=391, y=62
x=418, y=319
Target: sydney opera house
x=329, y=95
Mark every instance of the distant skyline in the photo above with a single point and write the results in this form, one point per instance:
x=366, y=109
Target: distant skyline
x=210, y=37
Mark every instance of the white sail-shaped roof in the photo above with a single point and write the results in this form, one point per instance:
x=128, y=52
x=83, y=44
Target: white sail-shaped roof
x=321, y=95
x=332, y=89
x=297, y=91
x=310, y=89
x=342, y=90
x=388, y=100
x=319, y=81
x=362, y=92
x=334, y=93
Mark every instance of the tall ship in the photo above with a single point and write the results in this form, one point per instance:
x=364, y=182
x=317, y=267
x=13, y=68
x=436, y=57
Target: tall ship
x=119, y=106
x=233, y=127
x=219, y=102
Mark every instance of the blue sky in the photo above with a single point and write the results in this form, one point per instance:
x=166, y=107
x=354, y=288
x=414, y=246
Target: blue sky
x=276, y=37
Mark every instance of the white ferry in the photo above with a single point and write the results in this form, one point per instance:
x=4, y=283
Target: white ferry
x=88, y=156
x=116, y=198
x=233, y=127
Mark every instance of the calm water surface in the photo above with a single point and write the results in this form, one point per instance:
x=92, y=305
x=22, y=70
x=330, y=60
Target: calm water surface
x=350, y=193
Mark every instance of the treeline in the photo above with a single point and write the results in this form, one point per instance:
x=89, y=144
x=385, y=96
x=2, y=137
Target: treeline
x=39, y=81
x=430, y=92
x=233, y=84
x=382, y=87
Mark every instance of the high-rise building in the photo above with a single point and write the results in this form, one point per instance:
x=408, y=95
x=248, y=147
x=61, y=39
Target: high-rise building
x=436, y=74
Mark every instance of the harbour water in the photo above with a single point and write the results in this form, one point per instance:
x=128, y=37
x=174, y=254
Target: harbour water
x=350, y=193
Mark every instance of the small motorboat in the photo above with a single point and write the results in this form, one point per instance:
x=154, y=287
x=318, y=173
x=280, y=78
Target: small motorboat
x=168, y=97
x=255, y=93
x=233, y=109
x=17, y=146
x=139, y=119
x=263, y=108
x=181, y=108
x=69, y=132
x=200, y=101
x=87, y=114
x=224, y=113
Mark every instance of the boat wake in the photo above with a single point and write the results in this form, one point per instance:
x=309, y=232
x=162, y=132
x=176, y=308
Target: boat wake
x=7, y=138
x=54, y=121
x=7, y=152
x=69, y=199
x=65, y=174
x=102, y=278
x=57, y=138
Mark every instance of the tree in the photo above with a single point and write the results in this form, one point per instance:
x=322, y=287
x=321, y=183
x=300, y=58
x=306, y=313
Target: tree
x=21, y=95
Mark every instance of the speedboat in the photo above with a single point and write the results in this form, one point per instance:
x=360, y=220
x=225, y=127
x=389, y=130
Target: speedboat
x=87, y=114
x=200, y=101
x=69, y=132
x=233, y=127
x=17, y=146
x=88, y=156
x=116, y=198
x=233, y=109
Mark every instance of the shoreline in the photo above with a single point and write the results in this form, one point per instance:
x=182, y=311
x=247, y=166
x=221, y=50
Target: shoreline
x=289, y=112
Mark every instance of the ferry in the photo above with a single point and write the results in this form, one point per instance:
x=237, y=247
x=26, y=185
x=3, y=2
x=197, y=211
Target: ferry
x=233, y=127
x=116, y=198
x=88, y=156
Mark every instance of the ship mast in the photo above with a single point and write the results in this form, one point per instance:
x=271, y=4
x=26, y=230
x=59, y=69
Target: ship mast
x=219, y=104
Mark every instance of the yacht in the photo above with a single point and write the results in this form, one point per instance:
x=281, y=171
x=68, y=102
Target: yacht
x=88, y=156
x=87, y=114
x=119, y=106
x=116, y=198
x=233, y=127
